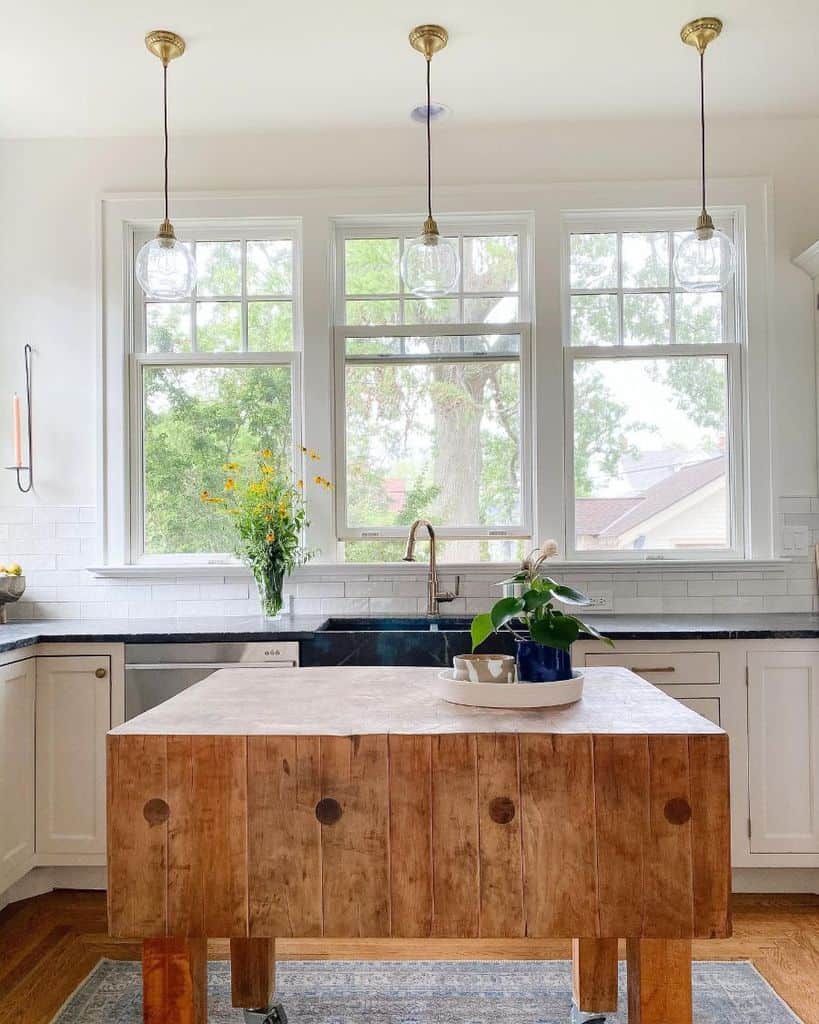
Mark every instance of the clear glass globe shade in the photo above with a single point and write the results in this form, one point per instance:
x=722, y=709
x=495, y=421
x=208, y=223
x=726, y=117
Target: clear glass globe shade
x=704, y=264
x=165, y=269
x=430, y=266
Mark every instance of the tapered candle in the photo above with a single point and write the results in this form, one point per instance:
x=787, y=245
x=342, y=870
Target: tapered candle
x=18, y=446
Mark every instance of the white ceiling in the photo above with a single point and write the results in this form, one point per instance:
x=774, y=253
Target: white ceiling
x=81, y=69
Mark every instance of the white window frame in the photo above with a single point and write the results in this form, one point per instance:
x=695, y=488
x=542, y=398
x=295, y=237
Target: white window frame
x=139, y=359
x=734, y=351
x=404, y=228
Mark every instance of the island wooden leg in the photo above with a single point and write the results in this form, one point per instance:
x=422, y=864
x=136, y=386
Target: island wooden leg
x=659, y=981
x=175, y=981
x=594, y=977
x=252, y=972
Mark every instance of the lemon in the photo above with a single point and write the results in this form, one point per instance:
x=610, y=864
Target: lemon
x=15, y=570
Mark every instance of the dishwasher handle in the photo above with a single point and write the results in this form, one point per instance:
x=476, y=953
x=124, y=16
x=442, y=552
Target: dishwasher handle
x=176, y=666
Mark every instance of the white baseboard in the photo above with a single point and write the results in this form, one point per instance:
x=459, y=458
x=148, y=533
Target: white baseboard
x=764, y=880
x=42, y=880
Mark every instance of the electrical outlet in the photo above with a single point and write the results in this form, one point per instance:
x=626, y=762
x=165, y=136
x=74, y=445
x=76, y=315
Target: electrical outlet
x=601, y=601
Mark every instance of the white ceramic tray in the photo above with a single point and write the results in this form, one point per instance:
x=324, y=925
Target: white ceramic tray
x=509, y=695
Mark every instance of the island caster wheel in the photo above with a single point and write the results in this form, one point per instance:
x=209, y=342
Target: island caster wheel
x=272, y=1015
x=584, y=1017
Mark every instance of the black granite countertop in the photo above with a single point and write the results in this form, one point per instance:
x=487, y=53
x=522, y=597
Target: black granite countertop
x=306, y=628
x=146, y=631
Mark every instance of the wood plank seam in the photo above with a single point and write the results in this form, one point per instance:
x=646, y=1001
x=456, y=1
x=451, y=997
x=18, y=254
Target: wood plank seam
x=478, y=866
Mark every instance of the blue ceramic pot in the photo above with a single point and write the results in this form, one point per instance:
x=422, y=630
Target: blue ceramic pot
x=538, y=663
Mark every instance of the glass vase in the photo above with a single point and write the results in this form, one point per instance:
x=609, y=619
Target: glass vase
x=270, y=581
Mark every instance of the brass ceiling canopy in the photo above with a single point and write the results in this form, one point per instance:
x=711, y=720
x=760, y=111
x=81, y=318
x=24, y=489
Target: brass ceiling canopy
x=700, y=32
x=428, y=39
x=165, y=45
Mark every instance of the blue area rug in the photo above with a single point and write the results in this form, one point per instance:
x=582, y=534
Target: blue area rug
x=427, y=992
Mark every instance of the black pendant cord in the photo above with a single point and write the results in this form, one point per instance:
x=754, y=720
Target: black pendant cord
x=165, y=115
x=702, y=124
x=429, y=142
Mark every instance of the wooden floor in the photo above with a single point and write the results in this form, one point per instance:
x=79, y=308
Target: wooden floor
x=49, y=944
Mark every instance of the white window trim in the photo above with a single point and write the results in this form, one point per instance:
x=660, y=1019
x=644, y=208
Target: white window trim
x=317, y=210
x=732, y=220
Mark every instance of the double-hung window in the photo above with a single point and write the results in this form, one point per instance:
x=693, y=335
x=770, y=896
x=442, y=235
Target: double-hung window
x=433, y=394
x=213, y=379
x=653, y=395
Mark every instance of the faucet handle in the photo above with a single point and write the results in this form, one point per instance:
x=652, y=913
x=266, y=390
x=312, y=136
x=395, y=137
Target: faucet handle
x=449, y=595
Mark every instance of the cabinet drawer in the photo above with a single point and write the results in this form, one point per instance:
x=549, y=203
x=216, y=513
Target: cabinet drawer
x=698, y=668
x=708, y=707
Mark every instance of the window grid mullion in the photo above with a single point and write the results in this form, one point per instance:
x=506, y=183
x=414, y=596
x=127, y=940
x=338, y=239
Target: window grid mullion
x=244, y=308
x=672, y=291
x=620, y=321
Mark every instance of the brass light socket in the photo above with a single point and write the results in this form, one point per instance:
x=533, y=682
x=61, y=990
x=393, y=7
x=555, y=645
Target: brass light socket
x=700, y=32
x=705, y=226
x=166, y=230
x=165, y=45
x=428, y=39
x=430, y=231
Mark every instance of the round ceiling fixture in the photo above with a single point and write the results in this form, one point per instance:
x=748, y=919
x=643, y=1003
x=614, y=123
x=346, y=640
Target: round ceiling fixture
x=437, y=112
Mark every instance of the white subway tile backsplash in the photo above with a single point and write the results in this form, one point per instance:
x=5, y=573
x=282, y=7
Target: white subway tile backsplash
x=409, y=588
x=224, y=591
x=761, y=587
x=394, y=606
x=56, y=514
x=368, y=588
x=711, y=588
x=344, y=606
x=320, y=590
x=738, y=605
x=16, y=514
x=788, y=604
x=81, y=530
x=55, y=544
x=111, y=610
x=174, y=591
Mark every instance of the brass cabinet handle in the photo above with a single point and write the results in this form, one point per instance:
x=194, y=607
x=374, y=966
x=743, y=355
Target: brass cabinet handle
x=100, y=673
x=647, y=668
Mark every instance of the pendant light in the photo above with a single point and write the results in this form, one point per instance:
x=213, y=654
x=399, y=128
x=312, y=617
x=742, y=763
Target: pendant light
x=430, y=264
x=705, y=259
x=164, y=266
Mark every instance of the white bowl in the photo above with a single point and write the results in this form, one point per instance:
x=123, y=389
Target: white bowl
x=515, y=695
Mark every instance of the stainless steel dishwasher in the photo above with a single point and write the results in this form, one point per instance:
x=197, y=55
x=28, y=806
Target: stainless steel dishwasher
x=155, y=672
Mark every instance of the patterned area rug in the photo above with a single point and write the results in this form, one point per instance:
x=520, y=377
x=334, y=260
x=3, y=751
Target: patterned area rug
x=427, y=992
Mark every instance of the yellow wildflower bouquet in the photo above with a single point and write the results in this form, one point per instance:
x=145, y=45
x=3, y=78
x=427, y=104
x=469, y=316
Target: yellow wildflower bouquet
x=269, y=512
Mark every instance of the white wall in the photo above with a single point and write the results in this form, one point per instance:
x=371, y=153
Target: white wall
x=48, y=278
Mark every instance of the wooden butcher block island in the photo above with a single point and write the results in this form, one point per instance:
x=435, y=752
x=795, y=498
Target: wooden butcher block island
x=347, y=802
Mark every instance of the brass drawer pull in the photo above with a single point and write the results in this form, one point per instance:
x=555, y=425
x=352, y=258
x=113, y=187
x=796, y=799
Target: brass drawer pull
x=647, y=668
x=100, y=673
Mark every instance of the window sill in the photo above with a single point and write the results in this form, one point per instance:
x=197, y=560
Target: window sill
x=359, y=570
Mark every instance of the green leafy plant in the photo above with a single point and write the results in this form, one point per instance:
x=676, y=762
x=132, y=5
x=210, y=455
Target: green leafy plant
x=533, y=612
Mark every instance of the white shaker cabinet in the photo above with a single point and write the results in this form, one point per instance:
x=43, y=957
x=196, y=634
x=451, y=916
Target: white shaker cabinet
x=73, y=716
x=17, y=695
x=783, y=751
